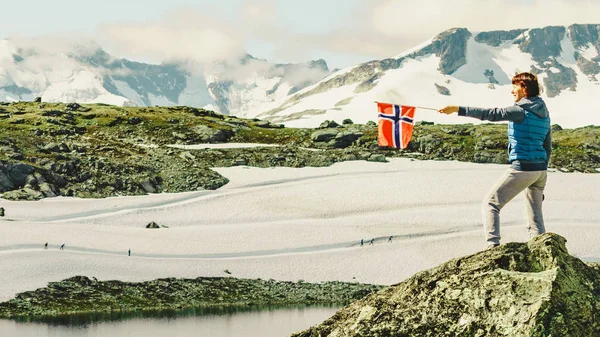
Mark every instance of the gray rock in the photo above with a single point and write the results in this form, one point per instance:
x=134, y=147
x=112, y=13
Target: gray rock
x=179, y=135
x=53, y=147
x=377, y=158
x=345, y=138
x=18, y=173
x=490, y=76
x=152, y=225
x=73, y=106
x=210, y=135
x=30, y=181
x=239, y=162
x=147, y=186
x=442, y=90
x=495, y=38
x=324, y=135
x=555, y=83
x=6, y=183
x=23, y=194
x=47, y=190
x=134, y=121
x=328, y=124
x=533, y=289
x=544, y=43
x=263, y=124
x=451, y=47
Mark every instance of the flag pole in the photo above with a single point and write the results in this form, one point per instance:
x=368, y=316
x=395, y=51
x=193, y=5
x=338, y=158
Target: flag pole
x=418, y=107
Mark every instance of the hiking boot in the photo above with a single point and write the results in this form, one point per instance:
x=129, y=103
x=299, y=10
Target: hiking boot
x=492, y=245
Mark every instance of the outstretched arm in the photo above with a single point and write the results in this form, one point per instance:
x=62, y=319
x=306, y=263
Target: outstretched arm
x=512, y=113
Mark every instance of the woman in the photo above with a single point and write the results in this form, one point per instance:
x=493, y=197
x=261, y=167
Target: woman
x=529, y=150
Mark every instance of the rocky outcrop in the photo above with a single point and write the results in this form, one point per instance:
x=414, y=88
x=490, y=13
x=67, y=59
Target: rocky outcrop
x=497, y=37
x=451, y=47
x=543, y=43
x=533, y=289
x=442, y=90
x=335, y=138
x=558, y=78
x=80, y=294
x=585, y=35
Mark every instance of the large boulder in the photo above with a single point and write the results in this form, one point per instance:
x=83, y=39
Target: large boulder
x=26, y=193
x=324, y=135
x=517, y=289
x=207, y=134
x=14, y=175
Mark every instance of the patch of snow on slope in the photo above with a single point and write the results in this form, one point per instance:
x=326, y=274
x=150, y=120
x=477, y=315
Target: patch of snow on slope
x=159, y=100
x=8, y=97
x=588, y=51
x=195, y=93
x=480, y=57
x=568, y=109
x=322, y=101
x=411, y=84
x=414, y=49
x=128, y=92
x=83, y=86
x=249, y=98
x=330, y=77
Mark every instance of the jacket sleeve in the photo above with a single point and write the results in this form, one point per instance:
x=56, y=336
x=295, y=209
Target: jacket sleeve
x=512, y=113
x=548, y=146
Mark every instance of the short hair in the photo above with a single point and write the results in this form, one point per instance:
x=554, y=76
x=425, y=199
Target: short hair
x=528, y=81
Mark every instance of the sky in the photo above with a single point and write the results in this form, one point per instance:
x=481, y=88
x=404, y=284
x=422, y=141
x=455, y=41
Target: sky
x=343, y=32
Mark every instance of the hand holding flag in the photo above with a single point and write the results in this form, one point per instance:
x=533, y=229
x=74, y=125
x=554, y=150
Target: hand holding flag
x=450, y=109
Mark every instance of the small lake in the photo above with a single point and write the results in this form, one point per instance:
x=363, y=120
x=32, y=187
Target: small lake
x=225, y=322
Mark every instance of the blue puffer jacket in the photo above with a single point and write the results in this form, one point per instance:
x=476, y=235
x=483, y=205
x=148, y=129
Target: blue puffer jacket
x=526, y=138
x=529, y=133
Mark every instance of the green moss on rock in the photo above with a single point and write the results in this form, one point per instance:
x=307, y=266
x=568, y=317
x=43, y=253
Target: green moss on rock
x=517, y=289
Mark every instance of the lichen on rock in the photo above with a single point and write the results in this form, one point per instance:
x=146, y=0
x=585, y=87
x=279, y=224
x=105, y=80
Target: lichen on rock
x=518, y=289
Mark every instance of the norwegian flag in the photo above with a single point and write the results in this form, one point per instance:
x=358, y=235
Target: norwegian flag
x=395, y=125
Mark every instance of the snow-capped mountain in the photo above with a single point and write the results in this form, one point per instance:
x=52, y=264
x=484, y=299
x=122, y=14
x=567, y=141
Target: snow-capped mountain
x=459, y=67
x=87, y=74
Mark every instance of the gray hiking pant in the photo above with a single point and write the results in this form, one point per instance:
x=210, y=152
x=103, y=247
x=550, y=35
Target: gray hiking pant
x=509, y=186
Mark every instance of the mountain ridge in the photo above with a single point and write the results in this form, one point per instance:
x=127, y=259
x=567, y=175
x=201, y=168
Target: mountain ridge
x=466, y=65
x=455, y=67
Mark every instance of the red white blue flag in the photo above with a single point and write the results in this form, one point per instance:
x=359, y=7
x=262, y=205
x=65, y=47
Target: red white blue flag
x=396, y=124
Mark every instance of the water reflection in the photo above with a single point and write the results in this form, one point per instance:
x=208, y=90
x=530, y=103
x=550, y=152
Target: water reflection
x=250, y=321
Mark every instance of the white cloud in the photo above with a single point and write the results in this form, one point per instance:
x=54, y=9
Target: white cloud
x=259, y=12
x=384, y=28
x=413, y=21
x=183, y=34
x=44, y=59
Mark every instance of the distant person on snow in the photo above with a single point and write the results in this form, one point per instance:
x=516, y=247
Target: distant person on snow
x=1, y=211
x=372, y=241
x=46, y=245
x=390, y=239
x=62, y=247
x=529, y=150
x=362, y=242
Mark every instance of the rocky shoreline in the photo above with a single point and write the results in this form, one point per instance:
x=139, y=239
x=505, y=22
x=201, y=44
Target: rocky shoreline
x=97, y=150
x=80, y=294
